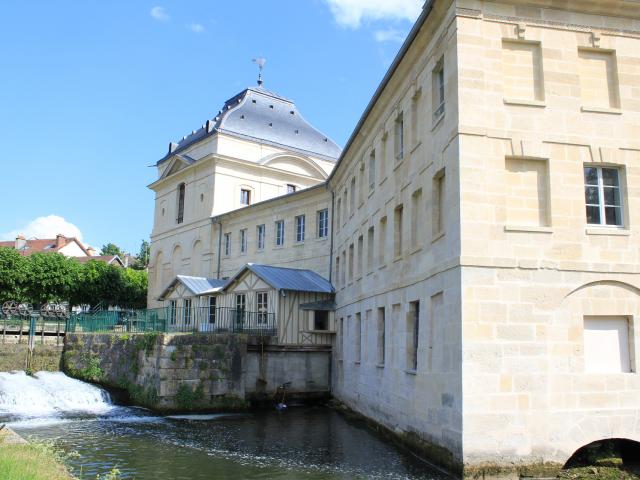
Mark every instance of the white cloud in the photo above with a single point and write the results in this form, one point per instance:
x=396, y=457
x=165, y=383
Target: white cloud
x=350, y=13
x=196, y=27
x=389, y=35
x=159, y=14
x=45, y=227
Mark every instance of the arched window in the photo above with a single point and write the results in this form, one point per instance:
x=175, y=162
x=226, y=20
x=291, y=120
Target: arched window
x=180, y=216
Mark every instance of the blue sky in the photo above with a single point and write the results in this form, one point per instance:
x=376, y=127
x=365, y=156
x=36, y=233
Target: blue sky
x=91, y=93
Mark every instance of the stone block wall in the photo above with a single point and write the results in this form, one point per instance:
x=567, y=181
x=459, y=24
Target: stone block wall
x=163, y=371
x=44, y=357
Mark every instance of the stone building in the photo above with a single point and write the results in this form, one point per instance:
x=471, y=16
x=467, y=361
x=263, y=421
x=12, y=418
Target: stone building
x=482, y=238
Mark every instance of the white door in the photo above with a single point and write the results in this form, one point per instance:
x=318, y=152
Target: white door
x=606, y=345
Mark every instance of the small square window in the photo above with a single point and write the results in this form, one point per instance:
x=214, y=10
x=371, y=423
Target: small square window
x=245, y=197
x=291, y=188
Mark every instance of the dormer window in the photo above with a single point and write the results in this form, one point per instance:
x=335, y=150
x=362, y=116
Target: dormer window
x=180, y=216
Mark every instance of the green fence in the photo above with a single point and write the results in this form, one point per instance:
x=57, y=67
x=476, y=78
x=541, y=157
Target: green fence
x=188, y=320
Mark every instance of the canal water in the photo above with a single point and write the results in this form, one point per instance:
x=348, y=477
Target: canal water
x=301, y=443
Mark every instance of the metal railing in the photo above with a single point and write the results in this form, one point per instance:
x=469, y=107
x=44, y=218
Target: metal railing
x=18, y=328
x=168, y=319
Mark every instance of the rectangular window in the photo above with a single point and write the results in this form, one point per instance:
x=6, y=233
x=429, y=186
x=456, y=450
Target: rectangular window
x=372, y=169
x=340, y=342
x=399, y=136
x=320, y=320
x=173, y=308
x=413, y=328
x=606, y=345
x=358, y=339
x=352, y=196
x=212, y=309
x=338, y=270
x=360, y=254
x=338, y=213
x=603, y=196
x=245, y=197
x=381, y=336
x=351, y=263
x=382, y=240
x=262, y=307
x=361, y=185
x=323, y=223
x=438, y=89
x=227, y=244
x=397, y=229
x=527, y=191
x=260, y=235
x=343, y=279
x=187, y=311
x=416, y=115
x=598, y=78
x=434, y=326
x=300, y=228
x=522, y=71
x=241, y=306
x=243, y=240
x=181, y=192
x=438, y=201
x=417, y=223
x=291, y=188
x=279, y=233
x=370, y=248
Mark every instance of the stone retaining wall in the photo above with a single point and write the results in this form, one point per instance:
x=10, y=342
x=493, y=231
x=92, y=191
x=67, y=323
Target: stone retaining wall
x=189, y=372
x=45, y=357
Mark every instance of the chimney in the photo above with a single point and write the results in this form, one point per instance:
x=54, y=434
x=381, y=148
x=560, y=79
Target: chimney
x=91, y=251
x=21, y=243
x=60, y=240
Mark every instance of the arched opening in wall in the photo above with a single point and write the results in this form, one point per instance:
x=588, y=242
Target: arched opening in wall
x=176, y=262
x=611, y=452
x=196, y=259
x=157, y=266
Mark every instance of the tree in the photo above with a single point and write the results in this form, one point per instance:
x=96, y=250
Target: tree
x=112, y=249
x=142, y=262
x=13, y=272
x=50, y=277
x=98, y=282
x=133, y=293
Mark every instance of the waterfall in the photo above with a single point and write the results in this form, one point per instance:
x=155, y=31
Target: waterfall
x=49, y=393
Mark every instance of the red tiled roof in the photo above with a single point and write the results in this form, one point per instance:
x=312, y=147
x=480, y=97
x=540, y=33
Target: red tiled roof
x=39, y=245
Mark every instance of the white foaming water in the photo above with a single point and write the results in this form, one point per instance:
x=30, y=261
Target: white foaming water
x=49, y=393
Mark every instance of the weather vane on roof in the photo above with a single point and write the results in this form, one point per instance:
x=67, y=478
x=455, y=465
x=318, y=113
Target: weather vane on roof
x=260, y=61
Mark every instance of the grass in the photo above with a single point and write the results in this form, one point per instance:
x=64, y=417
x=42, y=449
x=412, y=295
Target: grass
x=31, y=462
x=601, y=473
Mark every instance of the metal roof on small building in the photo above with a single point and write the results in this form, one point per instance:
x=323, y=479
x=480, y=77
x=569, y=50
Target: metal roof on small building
x=259, y=114
x=196, y=285
x=282, y=278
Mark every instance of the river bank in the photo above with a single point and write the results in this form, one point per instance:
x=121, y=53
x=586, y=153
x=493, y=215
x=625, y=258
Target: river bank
x=21, y=460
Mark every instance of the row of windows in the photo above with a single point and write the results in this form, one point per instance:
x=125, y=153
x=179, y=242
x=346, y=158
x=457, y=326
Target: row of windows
x=322, y=231
x=350, y=263
x=349, y=194
x=185, y=315
x=246, y=197
x=354, y=330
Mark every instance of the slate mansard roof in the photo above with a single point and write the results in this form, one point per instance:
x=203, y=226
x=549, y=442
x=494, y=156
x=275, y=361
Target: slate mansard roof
x=259, y=114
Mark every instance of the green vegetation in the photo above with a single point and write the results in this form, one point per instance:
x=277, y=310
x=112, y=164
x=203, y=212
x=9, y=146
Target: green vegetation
x=33, y=461
x=188, y=399
x=90, y=373
x=52, y=277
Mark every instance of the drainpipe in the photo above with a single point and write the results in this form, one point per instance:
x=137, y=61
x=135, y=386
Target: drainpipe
x=219, y=247
x=331, y=242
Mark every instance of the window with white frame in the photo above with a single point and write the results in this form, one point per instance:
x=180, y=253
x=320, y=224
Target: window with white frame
x=243, y=240
x=212, y=309
x=323, y=223
x=181, y=193
x=173, y=308
x=261, y=307
x=187, y=311
x=260, y=235
x=603, y=196
x=227, y=244
x=372, y=169
x=279, y=233
x=300, y=228
x=291, y=188
x=245, y=197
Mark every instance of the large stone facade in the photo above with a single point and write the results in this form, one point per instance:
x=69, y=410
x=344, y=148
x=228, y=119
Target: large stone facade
x=483, y=244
